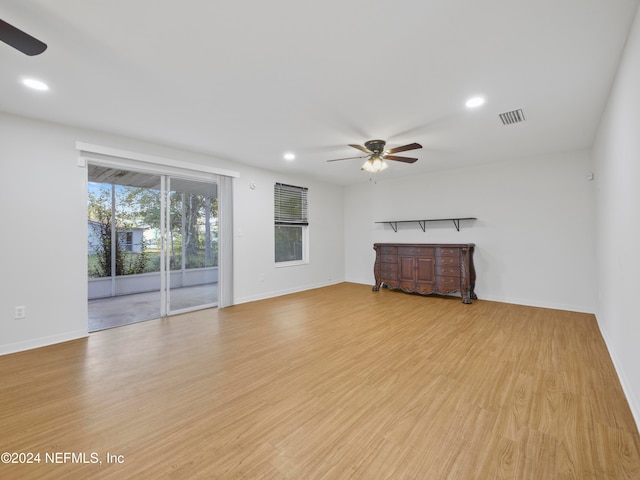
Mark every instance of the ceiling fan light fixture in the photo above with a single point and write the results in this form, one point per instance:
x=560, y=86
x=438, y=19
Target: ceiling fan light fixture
x=374, y=164
x=377, y=155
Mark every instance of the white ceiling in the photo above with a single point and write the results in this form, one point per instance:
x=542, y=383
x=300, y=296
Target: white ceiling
x=248, y=81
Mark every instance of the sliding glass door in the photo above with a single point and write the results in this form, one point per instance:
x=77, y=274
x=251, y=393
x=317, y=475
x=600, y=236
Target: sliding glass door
x=192, y=245
x=153, y=245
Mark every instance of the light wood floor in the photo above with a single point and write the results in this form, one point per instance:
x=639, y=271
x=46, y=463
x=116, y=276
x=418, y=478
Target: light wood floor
x=335, y=383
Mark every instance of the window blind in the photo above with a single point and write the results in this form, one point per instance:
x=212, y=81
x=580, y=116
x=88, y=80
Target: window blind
x=290, y=205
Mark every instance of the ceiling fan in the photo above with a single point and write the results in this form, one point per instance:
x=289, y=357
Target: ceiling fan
x=20, y=40
x=376, y=155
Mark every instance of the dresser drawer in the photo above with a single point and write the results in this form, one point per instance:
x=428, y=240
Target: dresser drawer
x=447, y=284
x=417, y=251
x=388, y=258
x=387, y=250
x=389, y=270
x=447, y=252
x=447, y=261
x=448, y=271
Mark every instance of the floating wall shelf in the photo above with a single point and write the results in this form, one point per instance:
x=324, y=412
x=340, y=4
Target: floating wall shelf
x=423, y=223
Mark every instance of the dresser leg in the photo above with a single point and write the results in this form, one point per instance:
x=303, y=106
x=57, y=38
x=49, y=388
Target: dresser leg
x=467, y=296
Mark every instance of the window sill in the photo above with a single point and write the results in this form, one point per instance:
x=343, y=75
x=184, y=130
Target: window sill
x=292, y=263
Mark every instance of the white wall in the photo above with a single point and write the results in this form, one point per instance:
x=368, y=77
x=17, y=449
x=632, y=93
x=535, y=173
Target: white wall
x=534, y=235
x=617, y=160
x=44, y=233
x=41, y=217
x=359, y=208
x=256, y=275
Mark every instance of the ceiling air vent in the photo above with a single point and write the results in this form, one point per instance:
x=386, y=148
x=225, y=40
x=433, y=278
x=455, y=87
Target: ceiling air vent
x=514, y=116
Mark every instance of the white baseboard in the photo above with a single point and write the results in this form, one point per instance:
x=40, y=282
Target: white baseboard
x=533, y=303
x=632, y=400
x=277, y=293
x=42, y=342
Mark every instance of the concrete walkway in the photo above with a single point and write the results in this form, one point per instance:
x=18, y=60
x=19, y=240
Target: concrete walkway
x=127, y=309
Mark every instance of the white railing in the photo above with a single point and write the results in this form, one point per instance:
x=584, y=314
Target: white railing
x=150, y=282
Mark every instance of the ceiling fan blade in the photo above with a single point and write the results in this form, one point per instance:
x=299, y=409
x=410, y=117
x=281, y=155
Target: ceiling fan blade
x=348, y=158
x=361, y=148
x=20, y=40
x=400, y=159
x=404, y=148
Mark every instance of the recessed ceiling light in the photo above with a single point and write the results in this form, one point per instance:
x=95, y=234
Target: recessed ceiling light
x=289, y=156
x=35, y=84
x=475, y=102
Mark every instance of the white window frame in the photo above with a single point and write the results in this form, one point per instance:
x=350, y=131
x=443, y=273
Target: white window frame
x=304, y=227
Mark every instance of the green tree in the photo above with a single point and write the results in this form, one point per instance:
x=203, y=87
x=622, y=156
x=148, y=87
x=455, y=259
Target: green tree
x=100, y=215
x=137, y=207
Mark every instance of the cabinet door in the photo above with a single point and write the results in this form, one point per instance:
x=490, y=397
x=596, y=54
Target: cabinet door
x=425, y=269
x=407, y=268
x=416, y=274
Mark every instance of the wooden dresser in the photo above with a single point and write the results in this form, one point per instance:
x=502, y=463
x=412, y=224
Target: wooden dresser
x=426, y=268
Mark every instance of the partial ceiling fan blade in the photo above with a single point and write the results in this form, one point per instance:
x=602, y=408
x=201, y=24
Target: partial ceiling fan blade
x=404, y=148
x=348, y=158
x=400, y=159
x=361, y=148
x=20, y=40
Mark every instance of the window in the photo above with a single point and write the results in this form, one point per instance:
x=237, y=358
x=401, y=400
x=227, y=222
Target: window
x=291, y=224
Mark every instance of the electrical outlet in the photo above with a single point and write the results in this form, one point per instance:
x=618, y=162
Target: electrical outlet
x=20, y=312
x=261, y=277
